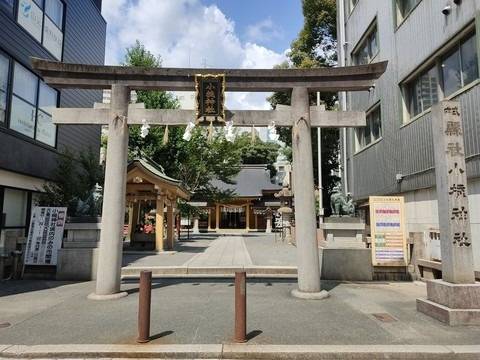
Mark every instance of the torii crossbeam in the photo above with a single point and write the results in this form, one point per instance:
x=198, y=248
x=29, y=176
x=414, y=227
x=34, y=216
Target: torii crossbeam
x=300, y=116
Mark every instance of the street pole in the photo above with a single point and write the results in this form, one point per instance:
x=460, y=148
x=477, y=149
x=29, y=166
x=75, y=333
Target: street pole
x=320, y=186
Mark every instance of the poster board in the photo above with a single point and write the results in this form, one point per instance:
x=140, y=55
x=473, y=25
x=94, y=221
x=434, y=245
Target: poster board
x=45, y=235
x=387, y=227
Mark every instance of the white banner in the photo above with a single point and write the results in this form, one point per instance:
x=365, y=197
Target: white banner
x=52, y=38
x=45, y=235
x=30, y=16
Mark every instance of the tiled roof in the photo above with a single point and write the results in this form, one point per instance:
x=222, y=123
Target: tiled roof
x=251, y=181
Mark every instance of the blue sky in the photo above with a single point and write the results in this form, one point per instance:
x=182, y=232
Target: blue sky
x=206, y=33
x=285, y=16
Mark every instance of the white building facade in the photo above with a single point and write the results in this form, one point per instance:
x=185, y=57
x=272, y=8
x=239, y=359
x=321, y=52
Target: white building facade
x=433, y=49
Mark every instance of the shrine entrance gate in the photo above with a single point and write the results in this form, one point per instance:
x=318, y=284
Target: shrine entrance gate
x=300, y=116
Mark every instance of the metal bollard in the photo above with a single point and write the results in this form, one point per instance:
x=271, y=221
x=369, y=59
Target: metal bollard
x=240, y=307
x=144, y=301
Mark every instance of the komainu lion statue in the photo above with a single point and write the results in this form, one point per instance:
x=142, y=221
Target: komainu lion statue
x=341, y=204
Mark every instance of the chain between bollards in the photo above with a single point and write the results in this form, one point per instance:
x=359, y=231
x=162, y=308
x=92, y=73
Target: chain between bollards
x=144, y=302
x=240, y=307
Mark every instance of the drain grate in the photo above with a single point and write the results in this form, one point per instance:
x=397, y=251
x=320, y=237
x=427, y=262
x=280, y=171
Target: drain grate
x=384, y=317
x=5, y=325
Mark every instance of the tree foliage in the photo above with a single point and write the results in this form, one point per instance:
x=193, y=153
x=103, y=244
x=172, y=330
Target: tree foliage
x=315, y=47
x=257, y=152
x=198, y=161
x=195, y=162
x=73, y=181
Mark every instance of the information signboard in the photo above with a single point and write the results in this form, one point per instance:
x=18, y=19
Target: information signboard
x=387, y=226
x=45, y=235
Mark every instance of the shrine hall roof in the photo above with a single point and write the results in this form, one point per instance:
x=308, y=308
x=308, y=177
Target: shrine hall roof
x=251, y=181
x=157, y=171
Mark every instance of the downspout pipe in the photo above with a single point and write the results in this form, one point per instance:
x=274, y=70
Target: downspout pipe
x=341, y=45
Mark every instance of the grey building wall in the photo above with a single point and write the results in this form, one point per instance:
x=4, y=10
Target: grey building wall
x=405, y=148
x=84, y=42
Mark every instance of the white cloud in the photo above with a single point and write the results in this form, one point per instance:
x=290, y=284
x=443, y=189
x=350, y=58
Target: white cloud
x=186, y=33
x=263, y=31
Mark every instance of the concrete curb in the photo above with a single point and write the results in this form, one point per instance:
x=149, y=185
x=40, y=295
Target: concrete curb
x=279, y=272
x=244, y=351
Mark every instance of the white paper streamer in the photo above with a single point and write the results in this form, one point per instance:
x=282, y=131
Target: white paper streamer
x=272, y=132
x=188, y=131
x=229, y=134
x=145, y=129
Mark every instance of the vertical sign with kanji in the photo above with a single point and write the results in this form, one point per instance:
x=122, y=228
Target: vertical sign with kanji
x=452, y=193
x=210, y=97
x=45, y=235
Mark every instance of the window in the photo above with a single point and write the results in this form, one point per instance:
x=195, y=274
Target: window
x=43, y=19
x=372, y=131
x=54, y=10
x=24, y=101
x=460, y=67
x=4, y=72
x=31, y=107
x=368, y=48
x=423, y=91
x=15, y=206
x=404, y=7
x=46, y=130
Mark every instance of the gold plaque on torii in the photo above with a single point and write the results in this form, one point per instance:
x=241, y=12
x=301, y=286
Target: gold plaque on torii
x=210, y=99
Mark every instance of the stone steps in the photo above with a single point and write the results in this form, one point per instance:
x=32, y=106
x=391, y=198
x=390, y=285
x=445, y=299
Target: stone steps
x=133, y=272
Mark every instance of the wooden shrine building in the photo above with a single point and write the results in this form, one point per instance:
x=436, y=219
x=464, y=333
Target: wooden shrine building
x=151, y=191
x=250, y=207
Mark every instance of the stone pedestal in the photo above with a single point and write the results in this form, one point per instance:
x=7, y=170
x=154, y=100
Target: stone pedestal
x=343, y=233
x=453, y=304
x=77, y=259
x=346, y=264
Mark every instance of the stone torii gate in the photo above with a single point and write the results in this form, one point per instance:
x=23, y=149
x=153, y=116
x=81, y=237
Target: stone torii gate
x=300, y=116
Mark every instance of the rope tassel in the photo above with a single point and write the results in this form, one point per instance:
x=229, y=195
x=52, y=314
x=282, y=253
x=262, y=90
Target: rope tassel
x=165, y=136
x=210, y=132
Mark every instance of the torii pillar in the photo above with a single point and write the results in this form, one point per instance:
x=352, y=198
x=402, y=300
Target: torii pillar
x=305, y=222
x=113, y=209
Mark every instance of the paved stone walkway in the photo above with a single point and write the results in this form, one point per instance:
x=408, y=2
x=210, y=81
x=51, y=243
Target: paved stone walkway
x=217, y=250
x=225, y=251
x=201, y=312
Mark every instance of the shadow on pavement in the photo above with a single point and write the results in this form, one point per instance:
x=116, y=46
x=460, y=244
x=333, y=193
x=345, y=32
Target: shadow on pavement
x=253, y=334
x=161, y=335
x=13, y=287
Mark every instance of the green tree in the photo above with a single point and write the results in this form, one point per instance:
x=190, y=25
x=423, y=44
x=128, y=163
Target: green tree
x=138, y=56
x=314, y=47
x=73, y=180
x=258, y=152
x=195, y=162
